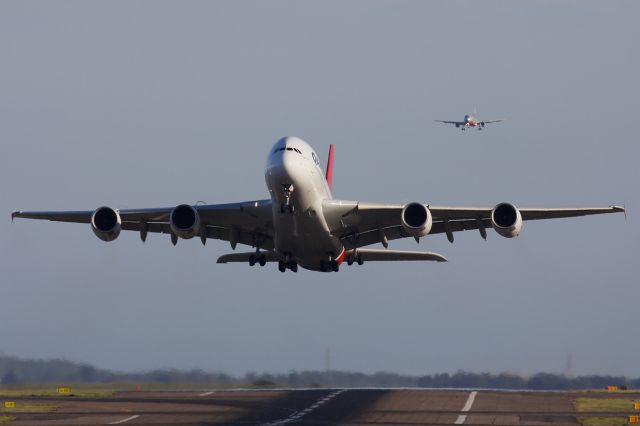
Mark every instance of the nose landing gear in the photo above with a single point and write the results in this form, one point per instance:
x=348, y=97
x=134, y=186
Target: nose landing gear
x=287, y=189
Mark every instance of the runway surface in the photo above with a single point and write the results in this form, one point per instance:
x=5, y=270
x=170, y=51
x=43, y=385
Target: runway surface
x=312, y=407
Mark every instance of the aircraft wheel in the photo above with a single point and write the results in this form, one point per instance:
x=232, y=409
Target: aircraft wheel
x=252, y=260
x=263, y=260
x=282, y=266
x=360, y=261
x=293, y=266
x=335, y=266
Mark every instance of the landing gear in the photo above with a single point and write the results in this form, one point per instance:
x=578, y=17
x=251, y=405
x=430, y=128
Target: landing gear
x=328, y=266
x=257, y=258
x=284, y=265
x=287, y=189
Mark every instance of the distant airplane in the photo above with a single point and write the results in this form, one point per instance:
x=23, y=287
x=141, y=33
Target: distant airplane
x=469, y=121
x=301, y=223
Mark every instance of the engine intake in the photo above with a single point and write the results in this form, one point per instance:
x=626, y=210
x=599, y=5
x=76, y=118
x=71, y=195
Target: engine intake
x=506, y=220
x=106, y=223
x=184, y=221
x=416, y=219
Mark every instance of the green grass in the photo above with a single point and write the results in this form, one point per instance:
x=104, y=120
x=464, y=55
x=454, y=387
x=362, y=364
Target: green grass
x=5, y=419
x=29, y=407
x=603, y=421
x=51, y=390
x=604, y=404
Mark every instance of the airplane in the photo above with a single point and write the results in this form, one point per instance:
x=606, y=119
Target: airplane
x=469, y=121
x=301, y=224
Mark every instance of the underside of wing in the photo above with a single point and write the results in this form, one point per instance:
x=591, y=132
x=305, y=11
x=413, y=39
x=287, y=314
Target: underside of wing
x=457, y=123
x=362, y=224
x=249, y=223
x=492, y=121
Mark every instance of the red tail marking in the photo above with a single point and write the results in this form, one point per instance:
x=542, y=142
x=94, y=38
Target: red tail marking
x=329, y=174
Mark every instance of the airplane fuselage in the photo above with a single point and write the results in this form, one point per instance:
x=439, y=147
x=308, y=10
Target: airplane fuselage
x=298, y=187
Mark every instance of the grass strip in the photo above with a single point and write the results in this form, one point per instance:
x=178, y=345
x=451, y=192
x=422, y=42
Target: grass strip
x=604, y=404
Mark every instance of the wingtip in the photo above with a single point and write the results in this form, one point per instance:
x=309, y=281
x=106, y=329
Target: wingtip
x=622, y=208
x=14, y=214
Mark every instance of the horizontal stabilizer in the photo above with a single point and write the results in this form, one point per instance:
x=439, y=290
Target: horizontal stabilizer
x=245, y=257
x=371, y=255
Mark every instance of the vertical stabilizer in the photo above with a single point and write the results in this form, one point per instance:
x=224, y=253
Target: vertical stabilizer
x=329, y=174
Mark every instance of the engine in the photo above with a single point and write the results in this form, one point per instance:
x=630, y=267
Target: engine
x=106, y=223
x=506, y=220
x=184, y=221
x=416, y=219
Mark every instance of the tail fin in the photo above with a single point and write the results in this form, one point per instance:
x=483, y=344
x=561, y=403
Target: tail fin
x=329, y=174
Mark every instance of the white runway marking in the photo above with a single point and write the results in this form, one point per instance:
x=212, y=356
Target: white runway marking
x=299, y=414
x=467, y=406
x=207, y=393
x=124, y=420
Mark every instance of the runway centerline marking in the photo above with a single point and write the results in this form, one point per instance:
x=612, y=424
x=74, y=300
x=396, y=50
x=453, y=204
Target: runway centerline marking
x=207, y=393
x=467, y=406
x=297, y=415
x=117, y=422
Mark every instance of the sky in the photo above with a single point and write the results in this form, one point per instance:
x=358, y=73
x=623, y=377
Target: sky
x=154, y=104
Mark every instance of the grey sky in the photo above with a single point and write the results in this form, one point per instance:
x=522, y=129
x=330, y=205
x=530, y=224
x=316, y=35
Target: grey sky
x=144, y=104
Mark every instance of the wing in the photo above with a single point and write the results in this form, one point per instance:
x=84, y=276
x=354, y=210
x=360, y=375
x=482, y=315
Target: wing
x=249, y=222
x=491, y=121
x=457, y=123
x=361, y=224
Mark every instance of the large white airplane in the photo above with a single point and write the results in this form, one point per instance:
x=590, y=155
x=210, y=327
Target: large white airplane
x=469, y=121
x=301, y=224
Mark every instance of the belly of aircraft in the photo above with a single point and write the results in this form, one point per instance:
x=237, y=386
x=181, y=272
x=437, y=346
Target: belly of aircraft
x=303, y=237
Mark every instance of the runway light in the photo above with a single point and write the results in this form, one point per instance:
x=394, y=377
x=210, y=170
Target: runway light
x=633, y=419
x=636, y=406
x=64, y=391
x=9, y=404
x=612, y=388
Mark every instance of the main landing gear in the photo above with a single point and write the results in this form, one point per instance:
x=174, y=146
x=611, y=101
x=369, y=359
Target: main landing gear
x=331, y=265
x=287, y=189
x=257, y=258
x=284, y=265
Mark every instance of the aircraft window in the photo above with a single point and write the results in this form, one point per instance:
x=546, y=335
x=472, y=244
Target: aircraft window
x=287, y=149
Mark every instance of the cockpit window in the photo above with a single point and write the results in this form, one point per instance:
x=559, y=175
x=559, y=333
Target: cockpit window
x=288, y=148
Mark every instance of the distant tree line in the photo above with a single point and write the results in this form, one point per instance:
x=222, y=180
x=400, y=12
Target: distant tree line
x=17, y=371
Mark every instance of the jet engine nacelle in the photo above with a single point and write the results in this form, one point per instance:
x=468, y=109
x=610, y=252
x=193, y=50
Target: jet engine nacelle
x=416, y=219
x=506, y=220
x=184, y=221
x=106, y=223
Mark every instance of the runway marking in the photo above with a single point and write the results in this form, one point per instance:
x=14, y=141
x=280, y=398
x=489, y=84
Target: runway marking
x=467, y=406
x=297, y=415
x=124, y=420
x=207, y=393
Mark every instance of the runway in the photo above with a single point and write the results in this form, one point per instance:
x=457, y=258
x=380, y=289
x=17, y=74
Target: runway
x=312, y=407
